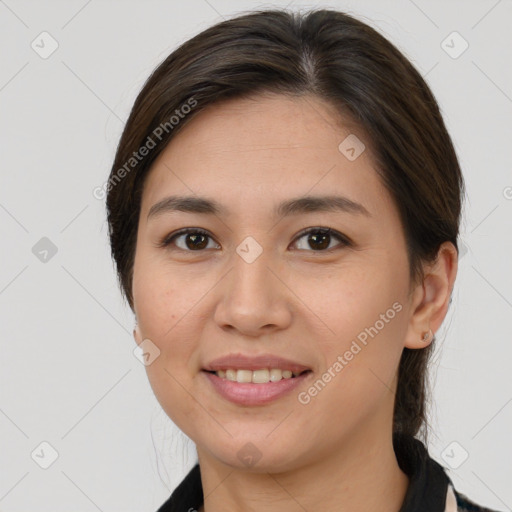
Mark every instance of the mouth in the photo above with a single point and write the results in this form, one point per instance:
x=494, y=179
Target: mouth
x=248, y=391
x=261, y=376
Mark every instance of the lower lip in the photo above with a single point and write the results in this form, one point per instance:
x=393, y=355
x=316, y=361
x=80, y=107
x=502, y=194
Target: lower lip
x=248, y=393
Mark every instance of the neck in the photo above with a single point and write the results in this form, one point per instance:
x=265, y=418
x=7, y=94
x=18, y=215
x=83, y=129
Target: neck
x=359, y=475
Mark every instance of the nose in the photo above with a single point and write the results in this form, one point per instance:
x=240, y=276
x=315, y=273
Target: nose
x=254, y=297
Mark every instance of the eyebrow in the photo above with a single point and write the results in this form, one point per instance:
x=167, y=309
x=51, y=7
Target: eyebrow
x=296, y=206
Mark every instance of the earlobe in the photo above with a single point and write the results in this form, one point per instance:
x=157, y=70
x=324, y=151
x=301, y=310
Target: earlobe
x=432, y=298
x=427, y=336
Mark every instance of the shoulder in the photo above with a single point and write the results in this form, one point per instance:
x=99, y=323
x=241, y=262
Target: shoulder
x=464, y=504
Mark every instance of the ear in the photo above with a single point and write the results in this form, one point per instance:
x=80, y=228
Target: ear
x=431, y=298
x=136, y=333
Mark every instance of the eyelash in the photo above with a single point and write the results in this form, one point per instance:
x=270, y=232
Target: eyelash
x=345, y=241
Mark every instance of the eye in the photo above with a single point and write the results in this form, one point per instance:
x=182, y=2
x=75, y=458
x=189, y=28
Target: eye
x=196, y=239
x=320, y=238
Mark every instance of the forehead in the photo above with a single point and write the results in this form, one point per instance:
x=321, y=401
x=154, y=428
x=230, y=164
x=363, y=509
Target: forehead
x=269, y=120
x=268, y=148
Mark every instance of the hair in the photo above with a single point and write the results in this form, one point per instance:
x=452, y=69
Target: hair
x=367, y=81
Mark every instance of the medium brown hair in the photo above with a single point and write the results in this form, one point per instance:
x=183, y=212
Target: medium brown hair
x=365, y=78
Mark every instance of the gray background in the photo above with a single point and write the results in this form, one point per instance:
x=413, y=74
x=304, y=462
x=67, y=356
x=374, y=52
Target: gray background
x=68, y=374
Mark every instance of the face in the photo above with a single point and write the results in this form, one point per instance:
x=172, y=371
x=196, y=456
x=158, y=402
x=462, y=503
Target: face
x=260, y=282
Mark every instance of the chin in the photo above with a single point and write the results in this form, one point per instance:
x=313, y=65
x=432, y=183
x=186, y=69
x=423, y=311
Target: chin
x=248, y=455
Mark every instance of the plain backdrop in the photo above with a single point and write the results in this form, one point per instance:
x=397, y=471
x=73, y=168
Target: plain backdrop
x=73, y=395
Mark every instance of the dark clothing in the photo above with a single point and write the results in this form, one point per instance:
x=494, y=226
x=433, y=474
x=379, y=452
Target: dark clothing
x=430, y=489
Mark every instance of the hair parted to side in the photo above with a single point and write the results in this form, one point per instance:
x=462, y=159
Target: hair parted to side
x=368, y=82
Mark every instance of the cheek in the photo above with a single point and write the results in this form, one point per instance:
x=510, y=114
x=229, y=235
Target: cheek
x=164, y=303
x=349, y=300
x=162, y=298
x=162, y=314
x=363, y=326
x=360, y=317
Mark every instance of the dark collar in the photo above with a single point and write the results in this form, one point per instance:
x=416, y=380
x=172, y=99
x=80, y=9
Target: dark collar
x=428, y=482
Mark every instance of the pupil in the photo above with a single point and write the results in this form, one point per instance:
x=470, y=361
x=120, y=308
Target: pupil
x=195, y=238
x=322, y=244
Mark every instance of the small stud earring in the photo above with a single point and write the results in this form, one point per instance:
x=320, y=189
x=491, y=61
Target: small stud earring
x=427, y=335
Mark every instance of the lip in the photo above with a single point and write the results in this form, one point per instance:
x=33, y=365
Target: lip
x=243, y=362
x=248, y=393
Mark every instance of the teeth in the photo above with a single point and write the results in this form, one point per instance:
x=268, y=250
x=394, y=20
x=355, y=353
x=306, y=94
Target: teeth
x=257, y=376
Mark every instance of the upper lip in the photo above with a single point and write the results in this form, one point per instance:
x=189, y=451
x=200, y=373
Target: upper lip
x=243, y=362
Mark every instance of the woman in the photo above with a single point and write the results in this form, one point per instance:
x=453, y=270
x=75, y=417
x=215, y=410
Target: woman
x=283, y=212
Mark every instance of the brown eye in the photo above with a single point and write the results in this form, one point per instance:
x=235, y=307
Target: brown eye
x=196, y=240
x=319, y=239
x=193, y=240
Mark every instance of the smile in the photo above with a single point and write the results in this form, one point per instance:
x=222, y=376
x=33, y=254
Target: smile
x=256, y=387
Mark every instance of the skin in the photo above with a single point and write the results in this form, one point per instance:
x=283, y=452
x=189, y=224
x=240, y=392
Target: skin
x=334, y=453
